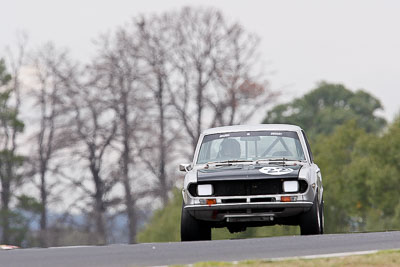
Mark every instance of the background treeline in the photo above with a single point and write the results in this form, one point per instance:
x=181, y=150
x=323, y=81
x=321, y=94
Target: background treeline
x=358, y=153
x=89, y=149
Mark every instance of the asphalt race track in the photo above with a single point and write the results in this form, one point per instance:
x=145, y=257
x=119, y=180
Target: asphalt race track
x=156, y=254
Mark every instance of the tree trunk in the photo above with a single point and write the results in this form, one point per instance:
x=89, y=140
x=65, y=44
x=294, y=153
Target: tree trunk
x=129, y=201
x=99, y=207
x=162, y=160
x=130, y=210
x=43, y=211
x=5, y=211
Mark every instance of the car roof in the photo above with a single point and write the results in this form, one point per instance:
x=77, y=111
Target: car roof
x=250, y=128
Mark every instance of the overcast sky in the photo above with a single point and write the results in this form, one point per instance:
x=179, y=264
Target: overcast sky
x=356, y=43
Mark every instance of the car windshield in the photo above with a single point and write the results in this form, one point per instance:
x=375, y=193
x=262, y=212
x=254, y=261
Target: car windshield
x=246, y=146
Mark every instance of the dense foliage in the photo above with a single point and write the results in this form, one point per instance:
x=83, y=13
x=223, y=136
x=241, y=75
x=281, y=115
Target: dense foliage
x=361, y=177
x=12, y=222
x=327, y=106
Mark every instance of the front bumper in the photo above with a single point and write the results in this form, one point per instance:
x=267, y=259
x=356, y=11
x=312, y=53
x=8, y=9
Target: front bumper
x=248, y=208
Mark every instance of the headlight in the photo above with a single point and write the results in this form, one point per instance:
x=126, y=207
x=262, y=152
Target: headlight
x=290, y=186
x=204, y=190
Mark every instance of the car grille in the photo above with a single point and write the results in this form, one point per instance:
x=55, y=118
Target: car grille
x=247, y=187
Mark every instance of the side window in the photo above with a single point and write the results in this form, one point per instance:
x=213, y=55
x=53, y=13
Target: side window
x=308, y=146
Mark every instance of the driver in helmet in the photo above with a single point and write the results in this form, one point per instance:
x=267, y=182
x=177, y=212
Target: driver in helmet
x=229, y=149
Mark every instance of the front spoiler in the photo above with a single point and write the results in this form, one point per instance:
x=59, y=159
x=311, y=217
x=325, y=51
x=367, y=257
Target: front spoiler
x=232, y=206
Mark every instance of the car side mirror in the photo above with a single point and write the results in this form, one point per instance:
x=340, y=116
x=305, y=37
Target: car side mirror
x=184, y=167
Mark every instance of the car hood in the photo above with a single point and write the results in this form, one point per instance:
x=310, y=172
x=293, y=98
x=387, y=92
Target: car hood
x=248, y=172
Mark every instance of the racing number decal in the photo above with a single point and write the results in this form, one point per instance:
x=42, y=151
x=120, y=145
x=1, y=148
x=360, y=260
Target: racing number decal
x=276, y=170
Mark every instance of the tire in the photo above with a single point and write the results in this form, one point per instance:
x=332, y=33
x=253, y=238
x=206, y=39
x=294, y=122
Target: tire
x=311, y=222
x=192, y=229
x=322, y=216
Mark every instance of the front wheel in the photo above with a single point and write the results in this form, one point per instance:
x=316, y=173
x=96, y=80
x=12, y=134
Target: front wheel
x=321, y=212
x=312, y=221
x=192, y=229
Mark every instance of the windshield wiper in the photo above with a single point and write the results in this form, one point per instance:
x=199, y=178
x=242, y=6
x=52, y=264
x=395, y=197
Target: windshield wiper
x=227, y=162
x=279, y=160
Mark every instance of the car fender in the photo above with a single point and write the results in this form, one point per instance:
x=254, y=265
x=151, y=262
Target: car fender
x=190, y=177
x=309, y=174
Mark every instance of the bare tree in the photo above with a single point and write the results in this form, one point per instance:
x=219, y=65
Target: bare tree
x=155, y=43
x=51, y=135
x=215, y=72
x=131, y=64
x=152, y=88
x=95, y=128
x=197, y=40
x=239, y=85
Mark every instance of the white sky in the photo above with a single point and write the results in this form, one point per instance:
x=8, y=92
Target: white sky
x=352, y=42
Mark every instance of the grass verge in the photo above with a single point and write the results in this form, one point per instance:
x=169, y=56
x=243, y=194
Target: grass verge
x=381, y=258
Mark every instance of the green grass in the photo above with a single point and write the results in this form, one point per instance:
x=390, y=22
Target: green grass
x=381, y=258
